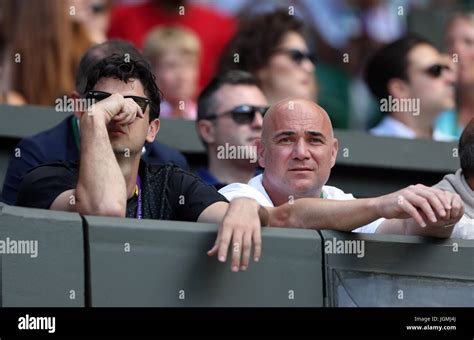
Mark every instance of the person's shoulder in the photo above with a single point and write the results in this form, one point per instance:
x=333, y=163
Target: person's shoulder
x=54, y=167
x=336, y=193
x=158, y=153
x=236, y=190
x=50, y=137
x=170, y=171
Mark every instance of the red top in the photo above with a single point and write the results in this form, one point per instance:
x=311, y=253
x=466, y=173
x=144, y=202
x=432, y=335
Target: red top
x=133, y=22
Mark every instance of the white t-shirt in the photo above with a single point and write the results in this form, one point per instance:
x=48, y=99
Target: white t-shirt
x=254, y=189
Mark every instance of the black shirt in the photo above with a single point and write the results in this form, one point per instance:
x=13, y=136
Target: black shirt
x=168, y=192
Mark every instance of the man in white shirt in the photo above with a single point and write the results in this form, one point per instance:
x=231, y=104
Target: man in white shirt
x=414, y=84
x=297, y=151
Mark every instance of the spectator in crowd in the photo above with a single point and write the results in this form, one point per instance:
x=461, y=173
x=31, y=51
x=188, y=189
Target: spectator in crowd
x=230, y=114
x=94, y=16
x=132, y=22
x=174, y=53
x=272, y=47
x=45, y=49
x=462, y=183
x=111, y=179
x=6, y=95
x=62, y=142
x=297, y=151
x=459, y=40
x=414, y=84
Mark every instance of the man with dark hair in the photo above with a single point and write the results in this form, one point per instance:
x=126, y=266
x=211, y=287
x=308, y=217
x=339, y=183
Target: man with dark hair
x=111, y=179
x=462, y=183
x=230, y=113
x=414, y=83
x=62, y=142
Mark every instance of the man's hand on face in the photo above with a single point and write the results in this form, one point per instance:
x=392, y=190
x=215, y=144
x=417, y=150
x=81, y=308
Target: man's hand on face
x=427, y=206
x=239, y=229
x=116, y=108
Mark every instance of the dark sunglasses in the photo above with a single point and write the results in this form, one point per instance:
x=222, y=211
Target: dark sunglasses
x=436, y=70
x=242, y=114
x=99, y=95
x=296, y=55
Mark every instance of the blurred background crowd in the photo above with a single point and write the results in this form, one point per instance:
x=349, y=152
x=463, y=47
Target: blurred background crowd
x=303, y=48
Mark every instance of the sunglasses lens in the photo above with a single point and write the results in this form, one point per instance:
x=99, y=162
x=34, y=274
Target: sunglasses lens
x=436, y=70
x=243, y=114
x=297, y=56
x=140, y=102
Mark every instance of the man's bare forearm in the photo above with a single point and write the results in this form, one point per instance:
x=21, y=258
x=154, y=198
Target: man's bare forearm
x=315, y=213
x=101, y=186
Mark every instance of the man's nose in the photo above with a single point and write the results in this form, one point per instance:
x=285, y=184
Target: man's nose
x=257, y=121
x=300, y=150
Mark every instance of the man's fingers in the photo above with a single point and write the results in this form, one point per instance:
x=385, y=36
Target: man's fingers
x=434, y=197
x=421, y=203
x=411, y=210
x=457, y=207
x=224, y=244
x=236, y=250
x=215, y=247
x=246, y=249
x=257, y=245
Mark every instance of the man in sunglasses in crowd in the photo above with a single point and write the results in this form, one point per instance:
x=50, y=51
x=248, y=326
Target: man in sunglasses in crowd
x=111, y=179
x=62, y=142
x=414, y=84
x=230, y=113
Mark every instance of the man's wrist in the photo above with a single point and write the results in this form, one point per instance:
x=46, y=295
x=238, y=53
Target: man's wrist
x=263, y=215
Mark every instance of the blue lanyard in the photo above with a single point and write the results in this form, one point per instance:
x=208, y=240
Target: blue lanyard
x=139, y=193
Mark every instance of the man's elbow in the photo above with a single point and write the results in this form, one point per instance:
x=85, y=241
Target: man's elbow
x=110, y=210
x=104, y=207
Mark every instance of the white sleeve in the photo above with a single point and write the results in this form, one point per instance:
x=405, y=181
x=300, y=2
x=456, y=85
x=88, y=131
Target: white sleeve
x=370, y=228
x=236, y=190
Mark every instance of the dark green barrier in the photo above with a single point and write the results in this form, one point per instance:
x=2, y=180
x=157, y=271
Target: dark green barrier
x=42, y=258
x=163, y=263
x=389, y=270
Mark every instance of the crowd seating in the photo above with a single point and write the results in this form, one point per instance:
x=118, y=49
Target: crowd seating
x=102, y=262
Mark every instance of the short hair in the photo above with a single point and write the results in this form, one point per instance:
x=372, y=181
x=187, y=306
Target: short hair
x=98, y=52
x=115, y=66
x=466, y=150
x=257, y=38
x=207, y=102
x=161, y=39
x=390, y=62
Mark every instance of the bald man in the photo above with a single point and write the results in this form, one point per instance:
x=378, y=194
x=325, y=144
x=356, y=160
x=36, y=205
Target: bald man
x=297, y=151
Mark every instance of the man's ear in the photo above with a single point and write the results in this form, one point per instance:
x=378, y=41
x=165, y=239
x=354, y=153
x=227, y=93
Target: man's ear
x=260, y=152
x=335, y=148
x=398, y=88
x=153, y=129
x=206, y=129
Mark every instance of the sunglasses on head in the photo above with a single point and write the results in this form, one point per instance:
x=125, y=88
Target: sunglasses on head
x=100, y=95
x=296, y=55
x=436, y=70
x=242, y=114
